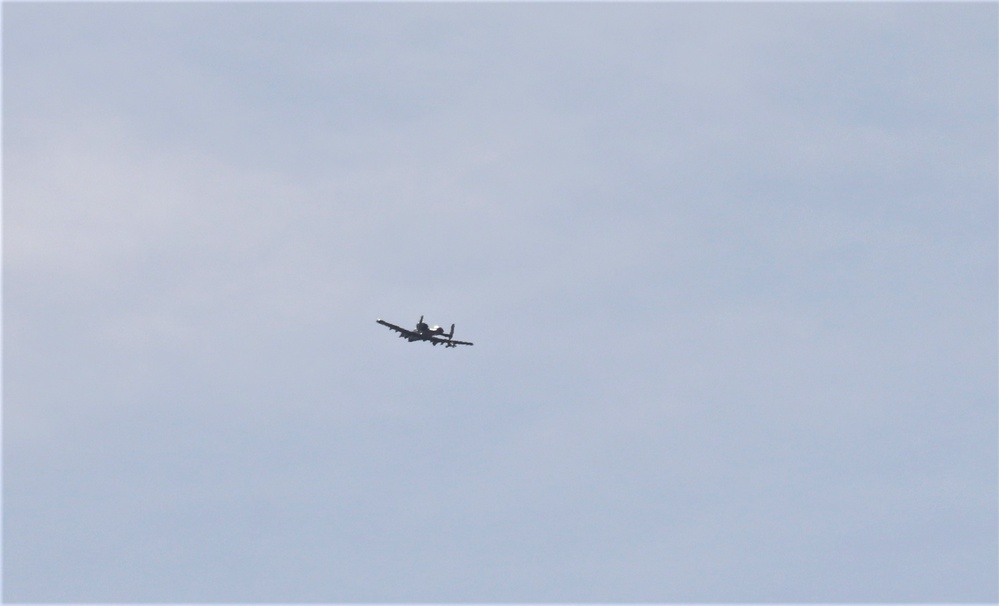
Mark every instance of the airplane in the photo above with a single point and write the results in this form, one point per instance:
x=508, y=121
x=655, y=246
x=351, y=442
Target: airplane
x=426, y=333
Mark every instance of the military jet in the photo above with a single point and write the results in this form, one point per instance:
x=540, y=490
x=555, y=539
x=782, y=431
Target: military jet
x=426, y=333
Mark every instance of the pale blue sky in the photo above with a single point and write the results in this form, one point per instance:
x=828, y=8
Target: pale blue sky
x=730, y=271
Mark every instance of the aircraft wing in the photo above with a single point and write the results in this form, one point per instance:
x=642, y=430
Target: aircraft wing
x=403, y=331
x=449, y=343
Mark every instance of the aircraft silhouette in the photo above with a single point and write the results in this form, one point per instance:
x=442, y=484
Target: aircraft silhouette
x=423, y=332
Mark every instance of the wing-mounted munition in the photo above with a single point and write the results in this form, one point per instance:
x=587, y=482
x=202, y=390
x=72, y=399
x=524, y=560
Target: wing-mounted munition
x=424, y=332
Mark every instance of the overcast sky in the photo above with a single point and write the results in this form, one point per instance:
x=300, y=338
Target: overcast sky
x=730, y=271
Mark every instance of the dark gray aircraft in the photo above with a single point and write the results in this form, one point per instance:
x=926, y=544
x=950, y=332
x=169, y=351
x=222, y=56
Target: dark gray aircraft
x=426, y=333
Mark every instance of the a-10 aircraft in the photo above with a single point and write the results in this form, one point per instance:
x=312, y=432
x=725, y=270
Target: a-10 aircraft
x=426, y=333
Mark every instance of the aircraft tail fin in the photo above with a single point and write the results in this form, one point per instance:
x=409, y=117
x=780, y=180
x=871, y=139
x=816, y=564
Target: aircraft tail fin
x=450, y=335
